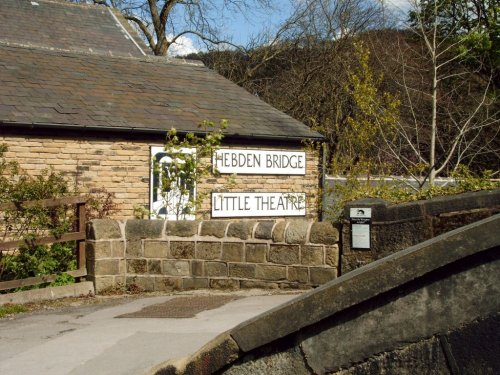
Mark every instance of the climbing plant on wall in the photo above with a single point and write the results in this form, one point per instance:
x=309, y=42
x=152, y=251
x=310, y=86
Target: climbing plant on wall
x=187, y=160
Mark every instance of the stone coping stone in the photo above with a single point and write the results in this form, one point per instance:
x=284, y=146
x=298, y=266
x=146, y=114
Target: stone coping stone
x=143, y=228
x=278, y=234
x=296, y=232
x=99, y=229
x=264, y=230
x=216, y=228
x=367, y=282
x=182, y=228
x=72, y=290
x=324, y=233
x=463, y=202
x=216, y=354
x=291, y=231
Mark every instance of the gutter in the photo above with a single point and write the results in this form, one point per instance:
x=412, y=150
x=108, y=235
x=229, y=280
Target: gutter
x=152, y=131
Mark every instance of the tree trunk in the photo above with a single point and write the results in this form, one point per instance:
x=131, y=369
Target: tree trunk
x=161, y=47
x=432, y=151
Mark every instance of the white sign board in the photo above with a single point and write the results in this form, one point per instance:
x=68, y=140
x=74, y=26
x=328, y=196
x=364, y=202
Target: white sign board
x=360, y=227
x=360, y=236
x=242, y=161
x=258, y=204
x=360, y=213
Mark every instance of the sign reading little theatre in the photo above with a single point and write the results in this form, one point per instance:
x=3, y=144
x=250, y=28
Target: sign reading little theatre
x=258, y=204
x=259, y=162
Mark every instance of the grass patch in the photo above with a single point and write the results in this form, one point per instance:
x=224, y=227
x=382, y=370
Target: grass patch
x=10, y=309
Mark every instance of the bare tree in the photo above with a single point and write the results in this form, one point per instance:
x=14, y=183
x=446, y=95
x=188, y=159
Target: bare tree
x=309, y=79
x=163, y=22
x=450, y=113
x=302, y=68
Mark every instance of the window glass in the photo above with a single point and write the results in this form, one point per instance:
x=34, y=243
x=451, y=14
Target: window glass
x=172, y=192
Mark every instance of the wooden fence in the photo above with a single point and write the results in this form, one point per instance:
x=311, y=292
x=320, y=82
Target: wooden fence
x=78, y=236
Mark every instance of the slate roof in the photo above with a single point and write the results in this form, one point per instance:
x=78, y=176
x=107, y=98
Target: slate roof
x=62, y=81
x=64, y=26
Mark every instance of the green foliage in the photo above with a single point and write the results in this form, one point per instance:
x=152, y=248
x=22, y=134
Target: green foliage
x=31, y=261
x=29, y=223
x=8, y=169
x=17, y=186
x=398, y=191
x=372, y=119
x=140, y=212
x=100, y=204
x=10, y=309
x=179, y=177
x=472, y=27
x=467, y=181
x=63, y=279
x=49, y=184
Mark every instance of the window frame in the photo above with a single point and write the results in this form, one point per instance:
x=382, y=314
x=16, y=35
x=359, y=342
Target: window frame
x=154, y=182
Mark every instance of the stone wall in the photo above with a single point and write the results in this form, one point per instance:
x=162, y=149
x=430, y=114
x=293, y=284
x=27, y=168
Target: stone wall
x=396, y=227
x=429, y=309
x=121, y=165
x=157, y=255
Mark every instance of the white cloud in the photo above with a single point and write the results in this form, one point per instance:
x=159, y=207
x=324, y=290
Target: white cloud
x=401, y=5
x=183, y=46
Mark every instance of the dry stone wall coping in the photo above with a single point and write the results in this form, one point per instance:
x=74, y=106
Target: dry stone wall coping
x=383, y=212
x=290, y=232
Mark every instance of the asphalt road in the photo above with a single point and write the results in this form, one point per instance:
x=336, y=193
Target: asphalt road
x=91, y=339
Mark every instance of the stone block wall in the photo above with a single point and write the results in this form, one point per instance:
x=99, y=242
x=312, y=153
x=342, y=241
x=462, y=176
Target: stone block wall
x=396, y=227
x=121, y=165
x=157, y=255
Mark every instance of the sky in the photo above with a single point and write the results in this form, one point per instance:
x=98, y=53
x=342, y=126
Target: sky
x=243, y=28
x=239, y=28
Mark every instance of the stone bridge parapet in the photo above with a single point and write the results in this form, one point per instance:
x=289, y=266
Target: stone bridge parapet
x=432, y=308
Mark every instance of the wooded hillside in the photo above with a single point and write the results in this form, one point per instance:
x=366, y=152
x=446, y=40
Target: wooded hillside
x=419, y=100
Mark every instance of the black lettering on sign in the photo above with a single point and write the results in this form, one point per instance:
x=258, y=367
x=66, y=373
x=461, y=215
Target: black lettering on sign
x=231, y=203
x=240, y=160
x=260, y=161
x=284, y=161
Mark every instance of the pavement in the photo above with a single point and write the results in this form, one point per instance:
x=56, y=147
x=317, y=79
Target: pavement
x=91, y=339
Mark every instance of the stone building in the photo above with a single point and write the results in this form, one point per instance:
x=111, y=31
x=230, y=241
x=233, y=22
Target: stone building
x=80, y=93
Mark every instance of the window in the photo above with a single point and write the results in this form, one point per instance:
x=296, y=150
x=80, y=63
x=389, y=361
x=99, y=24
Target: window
x=172, y=190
